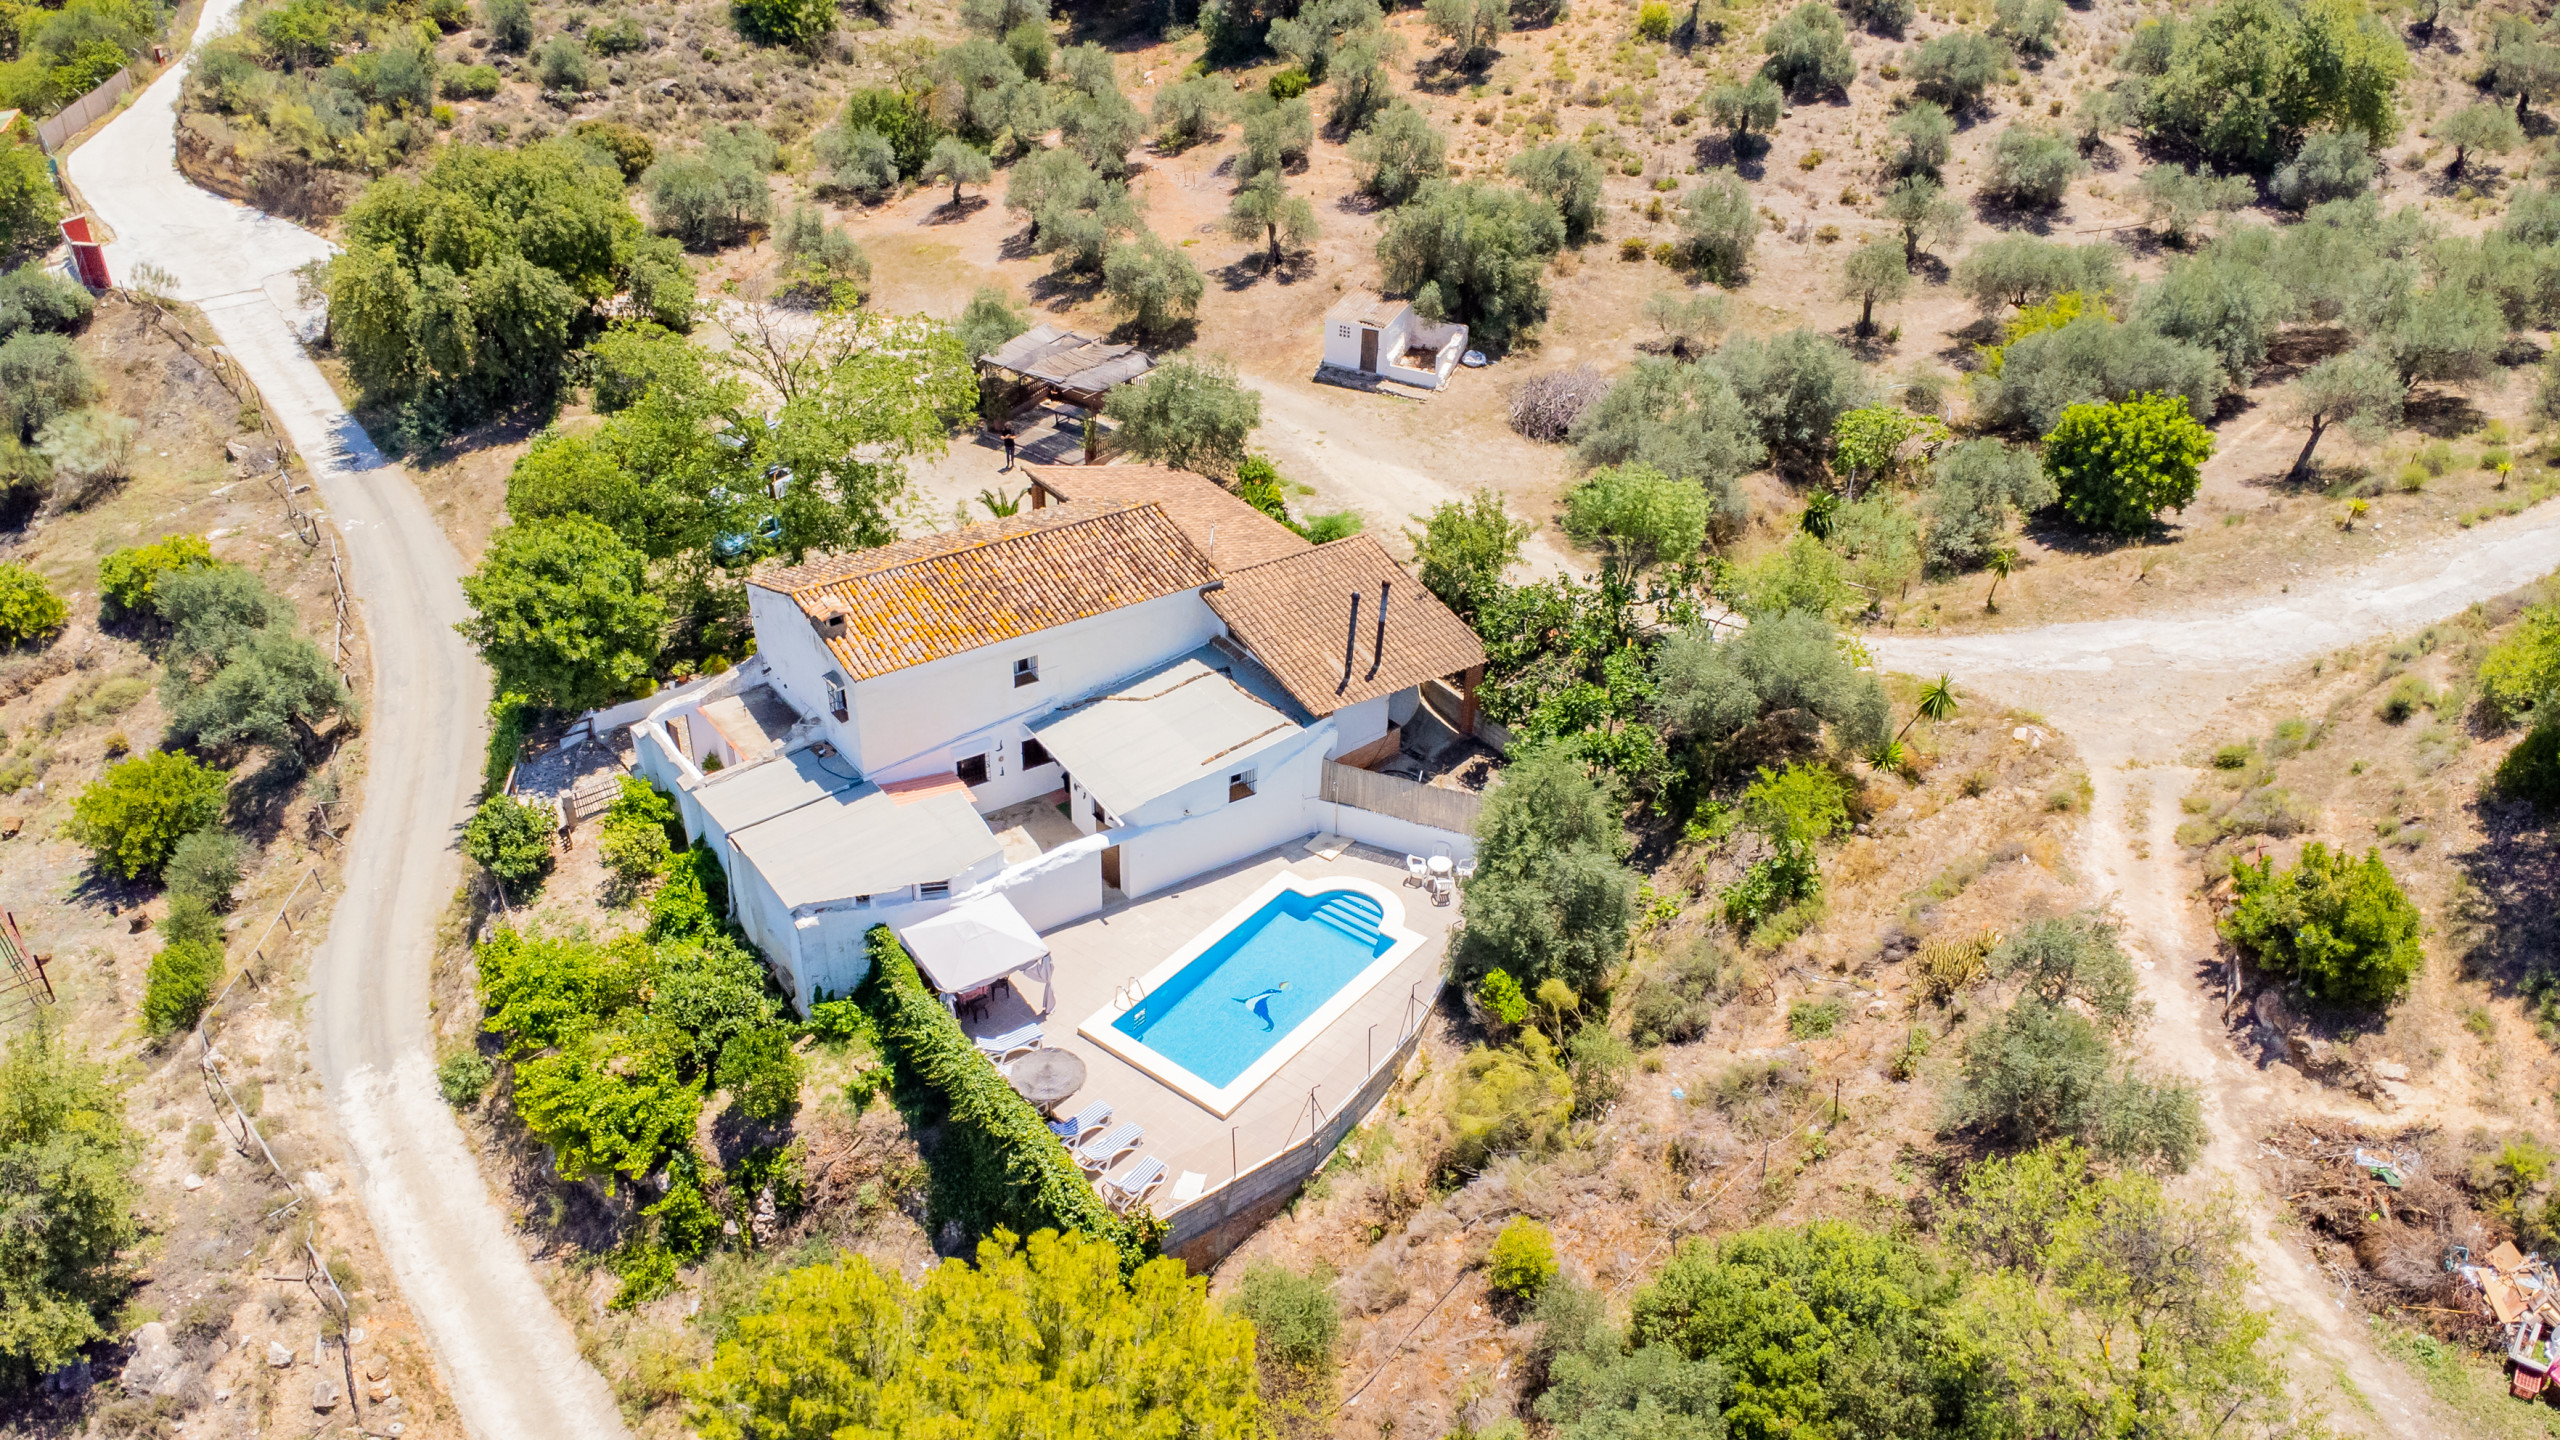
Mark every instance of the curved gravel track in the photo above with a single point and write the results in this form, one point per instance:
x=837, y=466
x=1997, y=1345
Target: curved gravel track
x=509, y=1361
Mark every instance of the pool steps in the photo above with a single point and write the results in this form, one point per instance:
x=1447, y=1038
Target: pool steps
x=1354, y=915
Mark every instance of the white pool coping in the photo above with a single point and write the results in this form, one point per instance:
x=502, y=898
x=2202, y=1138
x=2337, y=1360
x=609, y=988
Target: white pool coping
x=1222, y=1100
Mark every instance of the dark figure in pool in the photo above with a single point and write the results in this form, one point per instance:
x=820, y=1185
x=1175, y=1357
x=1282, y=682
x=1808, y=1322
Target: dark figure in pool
x=1261, y=1004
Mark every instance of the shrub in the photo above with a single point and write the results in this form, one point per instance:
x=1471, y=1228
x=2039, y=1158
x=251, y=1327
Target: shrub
x=798, y=24
x=33, y=298
x=1796, y=385
x=2118, y=466
x=1190, y=112
x=207, y=865
x=470, y=82
x=1719, y=227
x=1653, y=21
x=42, y=378
x=1549, y=899
x=128, y=578
x=2531, y=771
x=762, y=1073
x=2341, y=926
x=463, y=1077
x=1523, y=1259
x=509, y=23
x=1954, y=68
x=1566, y=176
x=132, y=817
x=859, y=160
x=179, y=985
x=1296, y=1319
x=1813, y=1019
x=1885, y=17
x=1508, y=1100
x=1809, y=51
x=30, y=205
x=1500, y=996
x=510, y=839
x=561, y=64
x=2032, y=166
x=29, y=610
x=635, y=853
x=621, y=35
x=1773, y=688
x=1683, y=420
x=1976, y=484
x=1465, y=548
x=2041, y=1072
x=1000, y=1165
x=2331, y=165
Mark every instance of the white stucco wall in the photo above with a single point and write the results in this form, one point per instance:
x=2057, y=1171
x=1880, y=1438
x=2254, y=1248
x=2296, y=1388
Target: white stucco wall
x=797, y=660
x=1361, y=724
x=1226, y=831
x=1342, y=340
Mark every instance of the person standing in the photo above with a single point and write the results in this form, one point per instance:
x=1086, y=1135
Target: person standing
x=1008, y=447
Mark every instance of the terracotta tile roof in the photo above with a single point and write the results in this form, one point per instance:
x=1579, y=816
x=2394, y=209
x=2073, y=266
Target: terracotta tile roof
x=1295, y=615
x=1206, y=510
x=939, y=595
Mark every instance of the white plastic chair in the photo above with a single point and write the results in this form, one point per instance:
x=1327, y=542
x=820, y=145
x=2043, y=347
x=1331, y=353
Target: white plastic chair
x=1467, y=868
x=1416, y=869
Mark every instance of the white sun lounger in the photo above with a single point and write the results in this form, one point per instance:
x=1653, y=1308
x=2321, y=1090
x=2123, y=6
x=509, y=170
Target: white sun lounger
x=1106, y=1149
x=1017, y=1041
x=1125, y=1193
x=1075, y=1128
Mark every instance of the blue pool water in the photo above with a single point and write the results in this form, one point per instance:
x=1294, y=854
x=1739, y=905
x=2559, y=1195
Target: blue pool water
x=1294, y=953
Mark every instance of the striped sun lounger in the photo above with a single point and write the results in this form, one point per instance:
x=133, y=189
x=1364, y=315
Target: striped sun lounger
x=1125, y=1193
x=1083, y=1123
x=1104, y=1150
x=1010, y=1043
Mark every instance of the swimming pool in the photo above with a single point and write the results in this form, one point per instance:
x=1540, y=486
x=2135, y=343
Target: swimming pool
x=1227, y=1010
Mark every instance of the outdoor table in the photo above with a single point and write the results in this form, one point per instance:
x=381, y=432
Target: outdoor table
x=1440, y=865
x=1045, y=1077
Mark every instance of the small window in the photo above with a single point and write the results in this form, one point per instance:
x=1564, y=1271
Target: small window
x=862, y=902
x=1034, y=754
x=1099, y=818
x=972, y=771
x=937, y=890
x=836, y=696
x=1026, y=671
x=1240, y=786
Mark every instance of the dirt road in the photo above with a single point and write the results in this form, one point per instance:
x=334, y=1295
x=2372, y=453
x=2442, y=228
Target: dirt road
x=2132, y=694
x=508, y=1360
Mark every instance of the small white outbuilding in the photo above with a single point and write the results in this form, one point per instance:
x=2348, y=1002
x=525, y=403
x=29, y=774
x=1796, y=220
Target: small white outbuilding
x=1370, y=335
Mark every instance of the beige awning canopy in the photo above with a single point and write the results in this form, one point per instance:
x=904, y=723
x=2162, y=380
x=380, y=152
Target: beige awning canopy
x=977, y=943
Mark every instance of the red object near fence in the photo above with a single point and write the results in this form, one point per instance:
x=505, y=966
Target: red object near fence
x=87, y=255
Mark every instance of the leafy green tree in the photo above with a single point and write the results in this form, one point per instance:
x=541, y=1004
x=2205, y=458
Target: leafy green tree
x=1190, y=414
x=1297, y=1320
x=2243, y=82
x=990, y=319
x=1276, y=136
x=1566, y=176
x=563, y=612
x=2024, y=270
x=2041, y=1072
x=182, y=976
x=1605, y=1393
x=30, y=206
x=509, y=22
x=2178, y=198
x=1769, y=690
x=1927, y=214
x=1685, y=421
x=1550, y=899
x=510, y=839
x=801, y=25
x=1923, y=139
x=1954, y=68
x=1719, y=226
x=1055, y=1329
x=2030, y=26
x=1879, y=270
x=1867, y=443
x=762, y=1074
x=2341, y=926
x=1808, y=51
x=1473, y=253
x=1465, y=548
x=957, y=161
x=29, y=610
x=1801, y=1320
x=1742, y=106
x=1974, y=486
x=1472, y=27
x=67, y=1158
x=1638, y=519
x=2119, y=465
x=2032, y=166
x=1264, y=208
x=131, y=818
x=1190, y=112
x=1397, y=153
x=2486, y=127
x=862, y=161
x=2087, y=360
x=2357, y=390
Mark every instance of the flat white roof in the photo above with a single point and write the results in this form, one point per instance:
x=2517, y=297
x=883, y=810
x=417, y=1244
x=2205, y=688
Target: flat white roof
x=816, y=835
x=748, y=795
x=1163, y=730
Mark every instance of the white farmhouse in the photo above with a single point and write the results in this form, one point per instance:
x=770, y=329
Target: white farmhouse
x=1134, y=681
x=1368, y=335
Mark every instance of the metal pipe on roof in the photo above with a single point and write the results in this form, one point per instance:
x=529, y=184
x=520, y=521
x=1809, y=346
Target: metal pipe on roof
x=1378, y=656
x=1350, y=645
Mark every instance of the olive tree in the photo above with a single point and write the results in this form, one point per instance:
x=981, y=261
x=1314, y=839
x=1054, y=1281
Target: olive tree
x=1809, y=51
x=1549, y=899
x=1398, y=152
x=1923, y=137
x=957, y=161
x=1264, y=208
x=1927, y=214
x=2358, y=390
x=1974, y=485
x=1744, y=106
x=1152, y=284
x=2031, y=167
x=1773, y=689
x=1567, y=176
x=1877, y=271
x=2486, y=127
x=2177, y=198
x=1473, y=253
x=1472, y=27
x=1191, y=414
x=1954, y=68
x=1795, y=385
x=1683, y=420
x=1719, y=226
x=2025, y=270
x=2331, y=165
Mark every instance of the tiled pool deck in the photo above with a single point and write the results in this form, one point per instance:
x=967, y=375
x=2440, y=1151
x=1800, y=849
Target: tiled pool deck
x=1096, y=955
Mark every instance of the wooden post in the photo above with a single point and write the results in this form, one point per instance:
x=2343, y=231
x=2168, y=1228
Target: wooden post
x=1467, y=682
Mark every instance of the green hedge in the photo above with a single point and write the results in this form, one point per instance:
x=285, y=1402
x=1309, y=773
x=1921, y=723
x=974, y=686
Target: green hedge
x=996, y=1163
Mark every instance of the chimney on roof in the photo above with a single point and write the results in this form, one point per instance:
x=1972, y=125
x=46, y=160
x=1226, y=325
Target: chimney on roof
x=1378, y=656
x=831, y=625
x=1350, y=645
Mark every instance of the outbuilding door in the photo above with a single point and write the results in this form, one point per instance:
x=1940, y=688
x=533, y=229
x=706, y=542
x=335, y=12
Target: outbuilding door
x=1111, y=867
x=1369, y=349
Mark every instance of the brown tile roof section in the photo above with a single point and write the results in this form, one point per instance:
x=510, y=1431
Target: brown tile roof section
x=1203, y=508
x=1294, y=615
x=938, y=595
